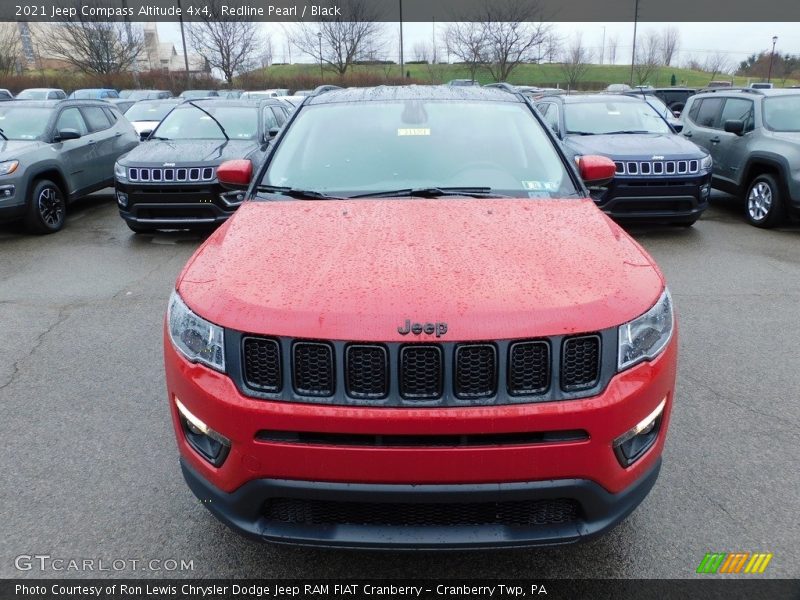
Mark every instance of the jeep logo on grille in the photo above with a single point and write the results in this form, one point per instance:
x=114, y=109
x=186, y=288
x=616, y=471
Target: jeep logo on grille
x=417, y=328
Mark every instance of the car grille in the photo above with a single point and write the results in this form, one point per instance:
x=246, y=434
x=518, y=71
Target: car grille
x=170, y=175
x=300, y=511
x=647, y=168
x=399, y=374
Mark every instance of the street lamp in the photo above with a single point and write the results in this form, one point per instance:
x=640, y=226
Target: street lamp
x=321, y=74
x=633, y=51
x=771, y=57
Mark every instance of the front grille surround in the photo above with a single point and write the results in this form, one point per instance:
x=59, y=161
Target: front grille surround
x=171, y=174
x=504, y=394
x=649, y=168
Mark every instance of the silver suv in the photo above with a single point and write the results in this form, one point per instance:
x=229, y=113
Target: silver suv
x=53, y=152
x=753, y=136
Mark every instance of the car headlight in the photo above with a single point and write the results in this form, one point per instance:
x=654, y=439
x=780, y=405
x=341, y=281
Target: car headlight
x=706, y=163
x=8, y=167
x=120, y=172
x=197, y=339
x=646, y=336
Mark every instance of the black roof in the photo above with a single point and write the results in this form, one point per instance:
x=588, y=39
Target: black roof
x=414, y=92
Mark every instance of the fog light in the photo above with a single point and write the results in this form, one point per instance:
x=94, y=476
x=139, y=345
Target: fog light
x=631, y=445
x=211, y=445
x=706, y=190
x=122, y=199
x=6, y=192
x=231, y=199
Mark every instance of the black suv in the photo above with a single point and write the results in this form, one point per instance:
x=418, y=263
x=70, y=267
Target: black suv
x=660, y=176
x=674, y=97
x=170, y=182
x=753, y=136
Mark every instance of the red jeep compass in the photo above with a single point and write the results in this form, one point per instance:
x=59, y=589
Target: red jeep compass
x=420, y=331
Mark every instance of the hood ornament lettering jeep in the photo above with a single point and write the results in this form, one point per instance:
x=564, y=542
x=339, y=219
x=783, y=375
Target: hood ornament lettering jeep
x=439, y=328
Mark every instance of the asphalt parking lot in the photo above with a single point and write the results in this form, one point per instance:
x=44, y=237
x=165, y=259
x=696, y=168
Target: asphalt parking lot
x=90, y=466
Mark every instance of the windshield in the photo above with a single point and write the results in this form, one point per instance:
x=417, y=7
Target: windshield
x=149, y=111
x=609, y=116
x=193, y=94
x=24, y=123
x=374, y=147
x=782, y=113
x=32, y=95
x=143, y=95
x=188, y=122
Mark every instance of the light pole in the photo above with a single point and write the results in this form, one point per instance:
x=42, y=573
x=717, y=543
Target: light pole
x=402, y=66
x=771, y=57
x=633, y=53
x=603, y=51
x=321, y=74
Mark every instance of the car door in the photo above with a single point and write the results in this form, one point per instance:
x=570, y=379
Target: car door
x=76, y=156
x=732, y=148
x=102, y=141
x=702, y=125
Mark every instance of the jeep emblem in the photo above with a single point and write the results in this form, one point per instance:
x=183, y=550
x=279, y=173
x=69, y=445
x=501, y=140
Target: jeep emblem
x=656, y=157
x=168, y=165
x=417, y=328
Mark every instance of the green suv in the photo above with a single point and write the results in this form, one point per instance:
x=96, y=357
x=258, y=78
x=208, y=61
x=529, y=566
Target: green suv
x=753, y=136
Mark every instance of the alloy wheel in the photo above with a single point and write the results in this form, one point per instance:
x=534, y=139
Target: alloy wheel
x=759, y=201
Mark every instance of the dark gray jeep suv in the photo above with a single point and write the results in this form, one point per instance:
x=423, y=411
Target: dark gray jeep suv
x=753, y=136
x=52, y=152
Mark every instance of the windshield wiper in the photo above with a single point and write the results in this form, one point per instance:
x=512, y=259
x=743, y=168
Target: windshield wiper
x=580, y=133
x=434, y=192
x=4, y=135
x=296, y=193
x=627, y=131
x=213, y=118
x=158, y=137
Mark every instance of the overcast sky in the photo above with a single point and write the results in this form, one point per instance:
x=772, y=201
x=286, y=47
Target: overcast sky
x=697, y=40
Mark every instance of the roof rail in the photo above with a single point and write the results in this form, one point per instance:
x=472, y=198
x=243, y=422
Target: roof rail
x=503, y=86
x=707, y=90
x=321, y=89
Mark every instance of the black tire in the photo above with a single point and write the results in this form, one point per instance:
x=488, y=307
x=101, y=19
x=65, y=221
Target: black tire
x=138, y=228
x=763, y=202
x=47, y=208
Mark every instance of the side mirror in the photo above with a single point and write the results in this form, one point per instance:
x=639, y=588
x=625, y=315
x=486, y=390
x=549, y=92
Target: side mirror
x=678, y=127
x=235, y=174
x=145, y=134
x=67, y=134
x=734, y=126
x=273, y=132
x=596, y=170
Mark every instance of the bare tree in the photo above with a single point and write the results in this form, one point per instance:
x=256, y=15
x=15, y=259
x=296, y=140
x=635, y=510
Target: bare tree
x=233, y=47
x=648, y=56
x=354, y=36
x=716, y=63
x=613, y=44
x=670, y=42
x=422, y=52
x=10, y=49
x=268, y=53
x=575, y=61
x=552, y=46
x=465, y=41
x=94, y=45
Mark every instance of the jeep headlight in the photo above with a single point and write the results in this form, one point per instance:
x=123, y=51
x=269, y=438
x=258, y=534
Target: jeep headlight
x=8, y=167
x=197, y=339
x=120, y=172
x=706, y=163
x=646, y=336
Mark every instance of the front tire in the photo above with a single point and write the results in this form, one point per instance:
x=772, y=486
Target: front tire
x=47, y=209
x=764, y=202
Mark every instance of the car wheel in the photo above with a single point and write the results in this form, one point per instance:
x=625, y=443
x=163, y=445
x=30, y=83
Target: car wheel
x=764, y=204
x=138, y=228
x=47, y=209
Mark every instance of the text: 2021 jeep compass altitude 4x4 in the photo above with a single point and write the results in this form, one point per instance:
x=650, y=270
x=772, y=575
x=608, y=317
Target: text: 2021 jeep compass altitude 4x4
x=420, y=331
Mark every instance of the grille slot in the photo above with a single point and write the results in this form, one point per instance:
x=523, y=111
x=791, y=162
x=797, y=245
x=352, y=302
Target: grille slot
x=367, y=369
x=528, y=368
x=171, y=175
x=313, y=369
x=475, y=371
x=262, y=364
x=301, y=511
x=657, y=167
x=421, y=372
x=580, y=362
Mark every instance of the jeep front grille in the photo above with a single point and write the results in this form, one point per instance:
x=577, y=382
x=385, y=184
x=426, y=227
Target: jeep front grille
x=171, y=174
x=405, y=374
x=648, y=168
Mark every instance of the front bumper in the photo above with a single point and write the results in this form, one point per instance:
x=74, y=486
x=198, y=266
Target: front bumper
x=642, y=199
x=13, y=193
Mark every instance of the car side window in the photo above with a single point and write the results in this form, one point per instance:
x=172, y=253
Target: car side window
x=270, y=122
x=110, y=114
x=70, y=118
x=738, y=109
x=707, y=114
x=280, y=116
x=96, y=118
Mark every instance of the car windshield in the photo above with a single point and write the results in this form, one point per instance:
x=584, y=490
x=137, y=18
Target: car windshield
x=142, y=95
x=24, y=123
x=149, y=111
x=188, y=122
x=782, y=113
x=363, y=148
x=193, y=94
x=609, y=116
x=32, y=95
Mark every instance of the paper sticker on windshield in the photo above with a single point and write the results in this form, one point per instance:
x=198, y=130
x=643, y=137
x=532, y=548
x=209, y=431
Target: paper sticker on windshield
x=418, y=131
x=532, y=185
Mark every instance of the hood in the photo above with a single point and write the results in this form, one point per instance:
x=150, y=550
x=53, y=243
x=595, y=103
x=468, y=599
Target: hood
x=158, y=152
x=10, y=149
x=640, y=146
x=356, y=270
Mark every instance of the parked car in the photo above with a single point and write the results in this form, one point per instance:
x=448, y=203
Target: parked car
x=147, y=114
x=42, y=94
x=753, y=136
x=93, y=94
x=5, y=95
x=409, y=339
x=762, y=85
x=303, y=92
x=660, y=107
x=230, y=94
x=719, y=84
x=170, y=182
x=616, y=88
x=674, y=97
x=292, y=102
x=196, y=94
x=660, y=176
x=54, y=152
x=463, y=83
x=261, y=94
x=122, y=104
x=137, y=95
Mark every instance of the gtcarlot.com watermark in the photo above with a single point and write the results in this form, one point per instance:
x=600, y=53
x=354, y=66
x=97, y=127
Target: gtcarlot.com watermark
x=48, y=563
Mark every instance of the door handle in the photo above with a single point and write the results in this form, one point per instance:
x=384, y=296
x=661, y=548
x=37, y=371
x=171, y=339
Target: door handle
x=714, y=140
x=90, y=142
x=119, y=133
x=687, y=134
